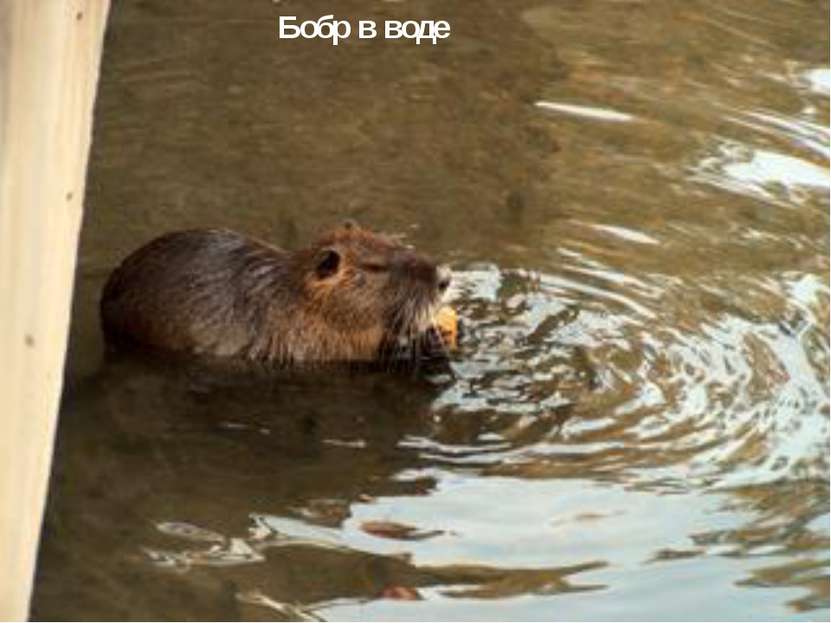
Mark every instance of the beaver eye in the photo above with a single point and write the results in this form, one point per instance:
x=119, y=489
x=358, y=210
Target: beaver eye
x=328, y=264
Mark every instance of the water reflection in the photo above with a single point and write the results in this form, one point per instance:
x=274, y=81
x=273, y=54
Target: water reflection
x=590, y=112
x=819, y=80
x=268, y=534
x=768, y=175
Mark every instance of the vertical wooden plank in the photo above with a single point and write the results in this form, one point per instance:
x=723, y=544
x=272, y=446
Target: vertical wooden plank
x=49, y=57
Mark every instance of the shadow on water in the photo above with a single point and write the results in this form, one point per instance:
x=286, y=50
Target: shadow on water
x=634, y=199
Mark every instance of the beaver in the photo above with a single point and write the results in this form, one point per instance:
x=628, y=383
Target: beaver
x=352, y=296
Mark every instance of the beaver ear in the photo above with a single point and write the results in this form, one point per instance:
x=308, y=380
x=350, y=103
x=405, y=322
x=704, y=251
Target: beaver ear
x=327, y=264
x=350, y=224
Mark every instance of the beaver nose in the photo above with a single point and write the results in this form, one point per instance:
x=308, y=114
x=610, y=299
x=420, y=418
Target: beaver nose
x=442, y=278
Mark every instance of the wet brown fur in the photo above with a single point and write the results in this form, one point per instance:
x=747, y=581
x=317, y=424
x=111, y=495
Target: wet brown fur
x=215, y=292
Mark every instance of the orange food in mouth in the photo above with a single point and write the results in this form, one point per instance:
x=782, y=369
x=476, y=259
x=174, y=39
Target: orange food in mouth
x=447, y=322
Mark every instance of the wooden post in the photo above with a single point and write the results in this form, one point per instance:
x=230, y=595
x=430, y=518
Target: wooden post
x=49, y=57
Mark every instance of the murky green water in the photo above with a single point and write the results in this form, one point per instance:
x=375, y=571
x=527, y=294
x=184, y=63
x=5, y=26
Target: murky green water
x=634, y=197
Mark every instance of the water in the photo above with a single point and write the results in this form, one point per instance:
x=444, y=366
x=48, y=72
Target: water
x=634, y=198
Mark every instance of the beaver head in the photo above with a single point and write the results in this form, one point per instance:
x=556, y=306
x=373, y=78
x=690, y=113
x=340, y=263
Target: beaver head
x=357, y=280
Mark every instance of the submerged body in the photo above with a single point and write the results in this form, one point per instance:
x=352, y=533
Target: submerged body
x=352, y=296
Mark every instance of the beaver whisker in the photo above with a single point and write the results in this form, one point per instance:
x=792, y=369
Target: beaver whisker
x=413, y=330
